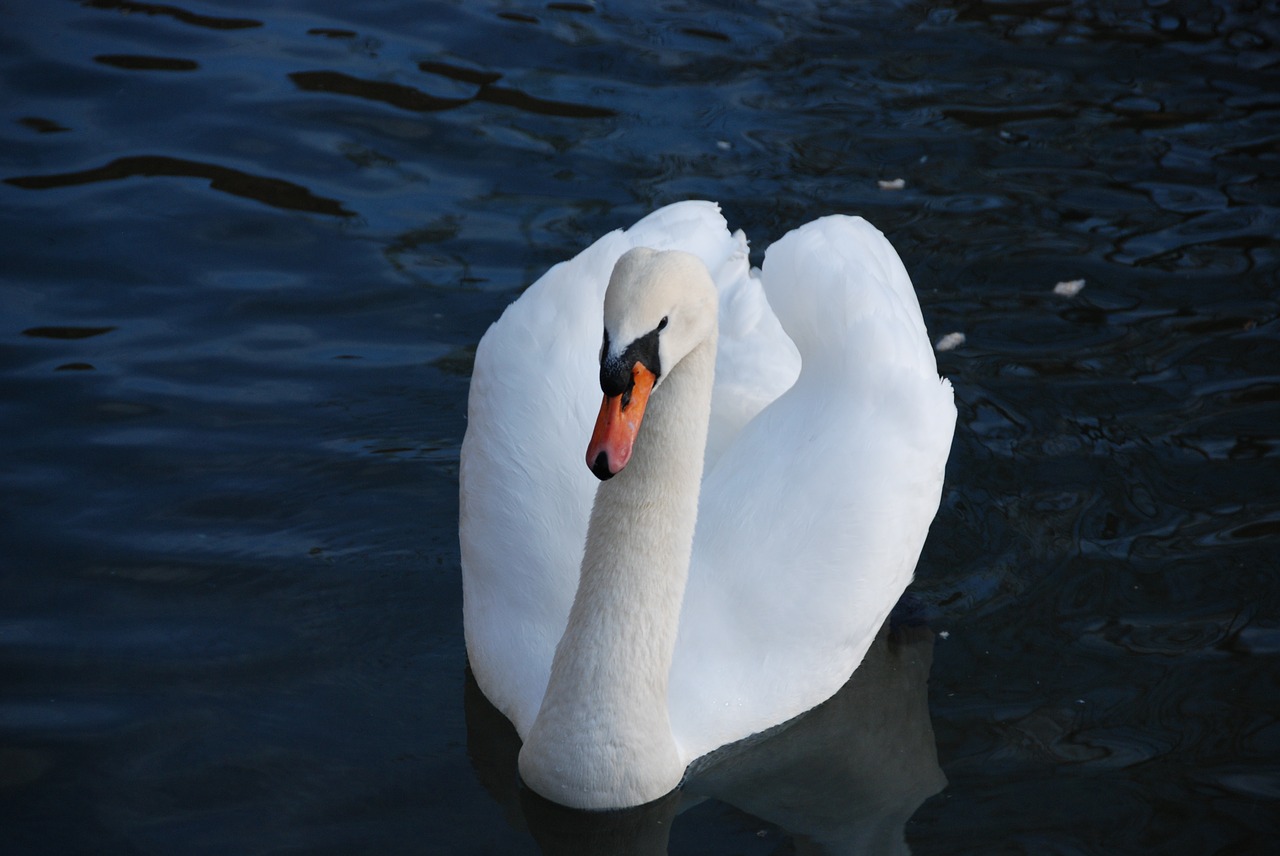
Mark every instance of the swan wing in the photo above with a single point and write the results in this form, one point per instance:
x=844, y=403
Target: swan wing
x=812, y=517
x=526, y=493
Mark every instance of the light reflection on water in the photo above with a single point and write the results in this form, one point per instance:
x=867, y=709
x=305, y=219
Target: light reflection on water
x=247, y=253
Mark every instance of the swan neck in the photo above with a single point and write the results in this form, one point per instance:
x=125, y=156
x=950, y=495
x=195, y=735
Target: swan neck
x=602, y=738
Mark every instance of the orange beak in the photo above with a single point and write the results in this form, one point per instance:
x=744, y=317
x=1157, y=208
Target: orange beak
x=618, y=424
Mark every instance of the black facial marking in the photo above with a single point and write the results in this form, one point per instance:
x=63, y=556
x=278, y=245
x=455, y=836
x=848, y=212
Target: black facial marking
x=615, y=372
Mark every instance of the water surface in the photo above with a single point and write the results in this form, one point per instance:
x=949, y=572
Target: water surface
x=246, y=251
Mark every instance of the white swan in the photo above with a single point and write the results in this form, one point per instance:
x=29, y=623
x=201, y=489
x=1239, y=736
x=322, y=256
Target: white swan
x=811, y=460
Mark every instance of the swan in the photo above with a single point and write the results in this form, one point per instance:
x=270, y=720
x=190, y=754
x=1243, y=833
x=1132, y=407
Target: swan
x=767, y=459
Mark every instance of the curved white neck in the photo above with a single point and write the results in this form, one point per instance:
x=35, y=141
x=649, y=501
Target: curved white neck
x=602, y=738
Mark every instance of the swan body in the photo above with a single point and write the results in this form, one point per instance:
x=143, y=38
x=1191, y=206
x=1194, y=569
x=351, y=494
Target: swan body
x=755, y=524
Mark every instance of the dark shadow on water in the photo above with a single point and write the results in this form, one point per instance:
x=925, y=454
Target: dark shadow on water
x=275, y=192
x=415, y=100
x=844, y=777
x=521, y=101
x=133, y=62
x=211, y=22
x=66, y=332
x=395, y=94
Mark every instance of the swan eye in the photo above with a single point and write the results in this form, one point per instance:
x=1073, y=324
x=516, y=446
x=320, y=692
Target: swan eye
x=663, y=323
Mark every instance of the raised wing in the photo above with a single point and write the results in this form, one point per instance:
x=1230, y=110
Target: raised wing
x=813, y=517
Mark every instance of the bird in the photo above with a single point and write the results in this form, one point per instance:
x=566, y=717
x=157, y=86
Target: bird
x=765, y=453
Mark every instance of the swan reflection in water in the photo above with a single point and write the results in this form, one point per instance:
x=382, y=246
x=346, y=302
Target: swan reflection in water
x=843, y=778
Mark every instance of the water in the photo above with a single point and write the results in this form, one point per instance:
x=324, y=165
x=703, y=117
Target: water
x=247, y=250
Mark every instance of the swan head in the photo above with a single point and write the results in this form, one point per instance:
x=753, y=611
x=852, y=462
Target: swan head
x=659, y=306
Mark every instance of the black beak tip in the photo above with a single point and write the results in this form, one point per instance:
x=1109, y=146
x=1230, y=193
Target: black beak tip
x=601, y=467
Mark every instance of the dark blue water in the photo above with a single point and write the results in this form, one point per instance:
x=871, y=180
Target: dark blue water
x=246, y=251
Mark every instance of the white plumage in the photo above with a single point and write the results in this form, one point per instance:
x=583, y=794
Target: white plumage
x=823, y=469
